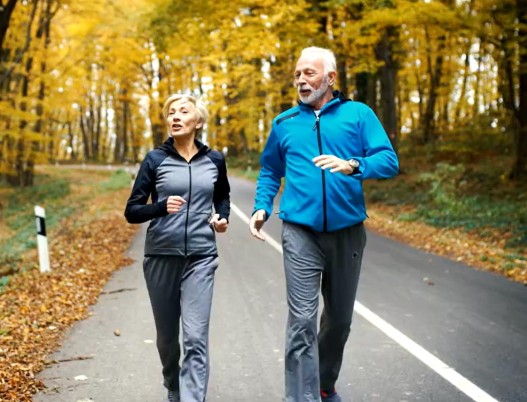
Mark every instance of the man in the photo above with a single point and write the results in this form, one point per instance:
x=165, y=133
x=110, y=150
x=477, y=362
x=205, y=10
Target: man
x=324, y=147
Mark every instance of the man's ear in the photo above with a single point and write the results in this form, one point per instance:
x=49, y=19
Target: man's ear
x=332, y=76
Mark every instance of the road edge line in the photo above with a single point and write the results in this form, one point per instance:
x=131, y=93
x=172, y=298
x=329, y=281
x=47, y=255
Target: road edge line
x=444, y=370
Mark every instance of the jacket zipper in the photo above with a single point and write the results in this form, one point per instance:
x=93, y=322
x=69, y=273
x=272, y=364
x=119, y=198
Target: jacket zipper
x=324, y=206
x=188, y=204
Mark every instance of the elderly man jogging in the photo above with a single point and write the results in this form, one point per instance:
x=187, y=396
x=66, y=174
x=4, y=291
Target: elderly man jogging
x=324, y=147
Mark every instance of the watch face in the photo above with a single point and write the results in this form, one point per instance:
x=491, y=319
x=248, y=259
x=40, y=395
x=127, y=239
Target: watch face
x=354, y=163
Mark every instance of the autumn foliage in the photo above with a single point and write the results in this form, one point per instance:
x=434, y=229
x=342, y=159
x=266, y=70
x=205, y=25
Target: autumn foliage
x=85, y=80
x=38, y=308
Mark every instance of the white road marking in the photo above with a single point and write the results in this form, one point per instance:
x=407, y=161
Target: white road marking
x=444, y=370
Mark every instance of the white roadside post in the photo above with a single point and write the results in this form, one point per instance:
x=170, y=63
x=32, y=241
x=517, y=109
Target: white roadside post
x=42, y=240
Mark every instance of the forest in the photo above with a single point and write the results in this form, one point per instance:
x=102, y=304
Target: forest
x=85, y=81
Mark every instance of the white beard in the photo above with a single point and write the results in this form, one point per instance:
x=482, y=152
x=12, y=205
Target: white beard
x=315, y=94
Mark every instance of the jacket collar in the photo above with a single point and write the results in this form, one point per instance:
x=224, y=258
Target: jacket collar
x=338, y=97
x=168, y=147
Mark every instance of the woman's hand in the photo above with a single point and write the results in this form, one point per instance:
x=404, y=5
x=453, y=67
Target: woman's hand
x=174, y=203
x=219, y=225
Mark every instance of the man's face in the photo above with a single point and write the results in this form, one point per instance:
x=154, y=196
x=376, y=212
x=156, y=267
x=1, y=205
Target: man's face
x=310, y=79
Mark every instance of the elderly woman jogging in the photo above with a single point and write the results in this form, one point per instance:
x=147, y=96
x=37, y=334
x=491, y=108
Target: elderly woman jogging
x=186, y=181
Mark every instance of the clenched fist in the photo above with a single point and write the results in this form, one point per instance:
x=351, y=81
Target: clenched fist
x=174, y=203
x=219, y=225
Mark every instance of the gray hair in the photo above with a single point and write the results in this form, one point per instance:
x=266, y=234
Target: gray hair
x=327, y=56
x=203, y=114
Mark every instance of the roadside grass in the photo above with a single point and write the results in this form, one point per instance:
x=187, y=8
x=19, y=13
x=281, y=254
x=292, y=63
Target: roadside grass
x=454, y=196
x=250, y=174
x=62, y=192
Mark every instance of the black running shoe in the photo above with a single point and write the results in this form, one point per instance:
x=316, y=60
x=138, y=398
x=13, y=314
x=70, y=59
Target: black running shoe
x=173, y=396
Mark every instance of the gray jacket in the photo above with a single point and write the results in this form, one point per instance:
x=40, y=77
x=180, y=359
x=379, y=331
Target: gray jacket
x=202, y=182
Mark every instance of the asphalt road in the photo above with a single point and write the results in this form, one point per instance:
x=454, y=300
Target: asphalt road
x=425, y=329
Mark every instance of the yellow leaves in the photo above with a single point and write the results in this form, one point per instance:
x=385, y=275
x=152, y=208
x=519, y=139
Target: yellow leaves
x=433, y=12
x=83, y=28
x=15, y=112
x=24, y=310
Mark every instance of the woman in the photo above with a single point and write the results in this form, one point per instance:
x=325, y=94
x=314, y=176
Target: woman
x=185, y=179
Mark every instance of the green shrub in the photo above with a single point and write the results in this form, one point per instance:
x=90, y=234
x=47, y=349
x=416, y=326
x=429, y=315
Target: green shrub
x=118, y=180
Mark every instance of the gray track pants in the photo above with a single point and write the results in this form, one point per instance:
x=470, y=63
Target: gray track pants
x=309, y=258
x=181, y=287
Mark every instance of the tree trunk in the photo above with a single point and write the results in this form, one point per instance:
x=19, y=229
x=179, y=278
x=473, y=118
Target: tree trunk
x=506, y=75
x=85, y=138
x=126, y=128
x=435, y=73
x=90, y=124
x=71, y=139
x=519, y=168
x=361, y=85
x=97, y=130
x=477, y=82
x=133, y=152
x=156, y=112
x=388, y=78
x=461, y=104
x=23, y=173
x=44, y=30
x=117, y=143
x=466, y=68
x=343, y=76
x=6, y=71
x=5, y=16
x=21, y=177
x=366, y=84
x=121, y=142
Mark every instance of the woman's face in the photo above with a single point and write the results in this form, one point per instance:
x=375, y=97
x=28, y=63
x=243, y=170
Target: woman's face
x=182, y=119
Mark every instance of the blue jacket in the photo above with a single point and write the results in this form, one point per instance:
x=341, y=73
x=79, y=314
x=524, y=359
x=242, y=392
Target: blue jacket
x=313, y=197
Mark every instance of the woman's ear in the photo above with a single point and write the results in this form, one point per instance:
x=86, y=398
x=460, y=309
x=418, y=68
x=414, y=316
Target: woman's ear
x=199, y=124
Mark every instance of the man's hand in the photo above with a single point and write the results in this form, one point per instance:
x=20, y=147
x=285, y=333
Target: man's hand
x=174, y=203
x=256, y=223
x=220, y=225
x=333, y=163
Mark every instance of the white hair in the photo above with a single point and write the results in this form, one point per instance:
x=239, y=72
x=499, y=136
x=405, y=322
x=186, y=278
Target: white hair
x=327, y=56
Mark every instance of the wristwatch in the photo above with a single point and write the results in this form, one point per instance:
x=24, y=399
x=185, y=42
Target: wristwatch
x=354, y=164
